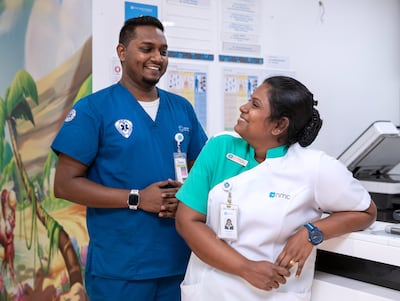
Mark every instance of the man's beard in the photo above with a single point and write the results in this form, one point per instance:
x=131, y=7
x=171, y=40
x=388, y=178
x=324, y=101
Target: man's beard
x=151, y=82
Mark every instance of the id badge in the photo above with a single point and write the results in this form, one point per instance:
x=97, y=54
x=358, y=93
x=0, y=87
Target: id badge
x=228, y=227
x=181, y=170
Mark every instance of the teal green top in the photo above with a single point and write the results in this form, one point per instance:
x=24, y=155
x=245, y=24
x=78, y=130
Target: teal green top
x=224, y=156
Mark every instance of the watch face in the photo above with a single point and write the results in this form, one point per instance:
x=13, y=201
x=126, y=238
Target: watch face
x=316, y=236
x=133, y=199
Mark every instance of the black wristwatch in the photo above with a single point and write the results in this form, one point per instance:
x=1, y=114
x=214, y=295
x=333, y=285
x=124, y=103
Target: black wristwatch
x=316, y=236
x=133, y=199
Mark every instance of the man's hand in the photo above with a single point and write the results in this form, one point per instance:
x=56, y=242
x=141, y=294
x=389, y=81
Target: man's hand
x=160, y=198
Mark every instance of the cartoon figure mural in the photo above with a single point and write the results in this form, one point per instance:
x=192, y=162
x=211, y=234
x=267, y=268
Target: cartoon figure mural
x=45, y=66
x=8, y=205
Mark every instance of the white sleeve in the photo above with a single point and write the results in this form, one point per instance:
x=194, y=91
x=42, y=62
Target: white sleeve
x=337, y=189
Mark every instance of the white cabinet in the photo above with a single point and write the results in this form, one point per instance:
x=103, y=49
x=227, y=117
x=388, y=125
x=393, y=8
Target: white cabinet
x=372, y=244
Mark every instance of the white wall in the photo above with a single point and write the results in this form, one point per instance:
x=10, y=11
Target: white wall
x=350, y=60
x=348, y=55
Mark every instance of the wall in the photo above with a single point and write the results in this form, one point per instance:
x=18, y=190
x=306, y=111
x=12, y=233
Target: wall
x=346, y=52
x=350, y=60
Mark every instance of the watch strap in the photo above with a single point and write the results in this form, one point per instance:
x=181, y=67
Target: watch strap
x=309, y=226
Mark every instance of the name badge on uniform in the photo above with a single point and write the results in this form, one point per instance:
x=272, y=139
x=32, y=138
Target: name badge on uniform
x=180, y=162
x=236, y=159
x=228, y=223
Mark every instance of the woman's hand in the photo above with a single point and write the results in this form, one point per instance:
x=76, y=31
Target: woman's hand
x=296, y=251
x=265, y=275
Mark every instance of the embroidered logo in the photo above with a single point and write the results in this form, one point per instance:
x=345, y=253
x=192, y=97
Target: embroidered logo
x=71, y=115
x=183, y=128
x=124, y=127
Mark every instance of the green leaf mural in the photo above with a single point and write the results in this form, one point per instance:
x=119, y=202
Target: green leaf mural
x=22, y=89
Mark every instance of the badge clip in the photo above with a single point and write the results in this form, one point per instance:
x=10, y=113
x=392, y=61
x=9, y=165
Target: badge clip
x=179, y=138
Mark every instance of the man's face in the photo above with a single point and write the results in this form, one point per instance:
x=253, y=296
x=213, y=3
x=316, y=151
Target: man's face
x=144, y=60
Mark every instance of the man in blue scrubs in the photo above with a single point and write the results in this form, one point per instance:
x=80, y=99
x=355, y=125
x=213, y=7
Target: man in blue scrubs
x=119, y=150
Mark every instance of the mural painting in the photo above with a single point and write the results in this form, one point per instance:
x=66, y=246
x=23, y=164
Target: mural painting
x=45, y=66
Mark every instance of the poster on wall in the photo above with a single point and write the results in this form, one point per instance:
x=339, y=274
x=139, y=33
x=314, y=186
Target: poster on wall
x=189, y=81
x=190, y=25
x=240, y=30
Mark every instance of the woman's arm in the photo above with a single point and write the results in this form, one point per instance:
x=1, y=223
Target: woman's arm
x=298, y=247
x=339, y=223
x=204, y=243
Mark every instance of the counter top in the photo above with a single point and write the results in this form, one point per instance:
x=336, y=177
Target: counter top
x=372, y=244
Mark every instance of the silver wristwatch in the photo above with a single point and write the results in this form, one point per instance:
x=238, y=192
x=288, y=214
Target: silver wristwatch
x=133, y=199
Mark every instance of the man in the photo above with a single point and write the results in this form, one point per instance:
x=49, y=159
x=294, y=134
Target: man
x=119, y=150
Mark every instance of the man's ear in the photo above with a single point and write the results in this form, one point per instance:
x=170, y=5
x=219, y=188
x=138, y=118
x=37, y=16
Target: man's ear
x=121, y=52
x=281, y=126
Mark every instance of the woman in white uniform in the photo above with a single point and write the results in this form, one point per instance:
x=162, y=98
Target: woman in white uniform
x=273, y=190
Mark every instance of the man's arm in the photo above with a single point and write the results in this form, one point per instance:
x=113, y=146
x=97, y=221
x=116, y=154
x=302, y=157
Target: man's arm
x=70, y=183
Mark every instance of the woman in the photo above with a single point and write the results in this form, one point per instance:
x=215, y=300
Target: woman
x=275, y=191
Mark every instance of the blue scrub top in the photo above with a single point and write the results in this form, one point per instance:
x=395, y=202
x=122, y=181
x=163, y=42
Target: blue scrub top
x=123, y=147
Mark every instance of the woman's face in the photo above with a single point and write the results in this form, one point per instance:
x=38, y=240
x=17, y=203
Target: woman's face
x=254, y=124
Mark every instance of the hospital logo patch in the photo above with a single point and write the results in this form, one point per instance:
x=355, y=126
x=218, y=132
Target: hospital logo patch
x=71, y=115
x=124, y=127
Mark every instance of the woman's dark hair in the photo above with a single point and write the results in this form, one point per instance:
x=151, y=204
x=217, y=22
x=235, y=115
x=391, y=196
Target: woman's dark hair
x=127, y=32
x=290, y=98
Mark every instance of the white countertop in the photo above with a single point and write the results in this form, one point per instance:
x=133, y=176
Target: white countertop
x=372, y=244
